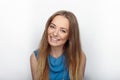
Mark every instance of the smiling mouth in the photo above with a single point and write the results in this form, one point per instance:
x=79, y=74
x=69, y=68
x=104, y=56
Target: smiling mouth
x=53, y=39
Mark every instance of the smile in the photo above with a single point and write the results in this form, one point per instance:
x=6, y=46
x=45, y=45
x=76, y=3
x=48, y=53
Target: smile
x=53, y=39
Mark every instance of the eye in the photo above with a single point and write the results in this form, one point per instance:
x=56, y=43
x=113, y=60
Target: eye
x=51, y=26
x=63, y=31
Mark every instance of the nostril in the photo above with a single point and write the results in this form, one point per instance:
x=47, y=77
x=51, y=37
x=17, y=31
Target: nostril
x=55, y=33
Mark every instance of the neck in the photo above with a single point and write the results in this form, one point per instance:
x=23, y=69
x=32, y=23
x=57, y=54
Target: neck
x=56, y=51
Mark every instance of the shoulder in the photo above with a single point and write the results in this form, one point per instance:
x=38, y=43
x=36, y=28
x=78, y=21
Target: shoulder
x=83, y=62
x=33, y=64
x=83, y=56
x=33, y=58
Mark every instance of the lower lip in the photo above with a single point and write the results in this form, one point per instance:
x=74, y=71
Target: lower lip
x=53, y=40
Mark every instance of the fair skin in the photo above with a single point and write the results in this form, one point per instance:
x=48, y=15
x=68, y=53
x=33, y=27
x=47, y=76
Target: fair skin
x=33, y=64
x=58, y=32
x=57, y=35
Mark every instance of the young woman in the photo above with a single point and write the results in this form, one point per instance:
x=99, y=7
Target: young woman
x=59, y=56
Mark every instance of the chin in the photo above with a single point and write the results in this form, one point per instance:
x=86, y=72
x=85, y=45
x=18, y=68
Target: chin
x=55, y=44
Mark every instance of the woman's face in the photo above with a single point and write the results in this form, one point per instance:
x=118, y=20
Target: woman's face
x=58, y=31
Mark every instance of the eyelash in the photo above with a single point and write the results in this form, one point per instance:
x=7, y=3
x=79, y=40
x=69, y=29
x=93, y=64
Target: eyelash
x=52, y=27
x=63, y=31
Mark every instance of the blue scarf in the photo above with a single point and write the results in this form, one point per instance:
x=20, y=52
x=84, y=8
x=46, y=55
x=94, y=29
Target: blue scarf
x=58, y=68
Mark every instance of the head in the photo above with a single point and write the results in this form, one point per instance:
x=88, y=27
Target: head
x=63, y=27
x=61, y=30
x=58, y=31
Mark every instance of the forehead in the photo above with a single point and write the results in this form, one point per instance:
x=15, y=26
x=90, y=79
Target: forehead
x=61, y=21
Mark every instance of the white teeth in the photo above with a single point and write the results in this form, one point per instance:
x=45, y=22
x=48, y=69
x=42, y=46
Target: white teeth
x=54, y=39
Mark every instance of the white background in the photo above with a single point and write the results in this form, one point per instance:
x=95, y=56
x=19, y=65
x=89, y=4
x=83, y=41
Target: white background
x=22, y=24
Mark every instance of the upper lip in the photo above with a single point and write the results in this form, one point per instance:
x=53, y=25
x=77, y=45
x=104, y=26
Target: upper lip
x=54, y=38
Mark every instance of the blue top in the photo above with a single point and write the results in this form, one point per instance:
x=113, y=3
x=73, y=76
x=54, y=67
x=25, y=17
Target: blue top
x=58, y=69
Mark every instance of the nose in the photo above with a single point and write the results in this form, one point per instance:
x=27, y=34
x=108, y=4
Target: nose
x=55, y=33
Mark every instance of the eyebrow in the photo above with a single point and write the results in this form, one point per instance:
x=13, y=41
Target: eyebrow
x=53, y=24
x=61, y=27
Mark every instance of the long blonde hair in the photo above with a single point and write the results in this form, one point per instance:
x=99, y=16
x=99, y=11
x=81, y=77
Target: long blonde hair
x=72, y=49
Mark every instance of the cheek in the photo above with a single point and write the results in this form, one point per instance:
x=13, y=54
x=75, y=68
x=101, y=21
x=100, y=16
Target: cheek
x=65, y=37
x=49, y=31
x=48, y=34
